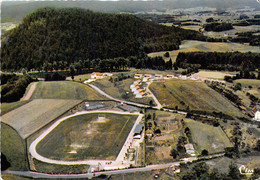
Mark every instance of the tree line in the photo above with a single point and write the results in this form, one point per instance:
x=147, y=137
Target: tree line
x=15, y=88
x=231, y=61
x=217, y=27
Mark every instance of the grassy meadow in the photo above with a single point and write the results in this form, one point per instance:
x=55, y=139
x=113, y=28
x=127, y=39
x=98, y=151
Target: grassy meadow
x=208, y=137
x=65, y=90
x=80, y=78
x=192, y=95
x=88, y=136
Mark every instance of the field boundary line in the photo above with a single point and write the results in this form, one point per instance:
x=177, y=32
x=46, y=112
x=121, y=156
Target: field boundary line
x=30, y=92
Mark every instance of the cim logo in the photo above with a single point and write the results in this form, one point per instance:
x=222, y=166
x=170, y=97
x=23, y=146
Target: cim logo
x=244, y=170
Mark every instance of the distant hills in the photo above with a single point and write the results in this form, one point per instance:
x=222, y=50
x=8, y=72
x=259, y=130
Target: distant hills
x=15, y=10
x=67, y=35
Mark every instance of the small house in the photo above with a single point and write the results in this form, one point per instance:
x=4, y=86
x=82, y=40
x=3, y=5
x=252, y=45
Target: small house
x=138, y=131
x=132, y=86
x=149, y=133
x=138, y=95
x=146, y=79
x=158, y=76
x=189, y=149
x=169, y=76
x=257, y=116
x=138, y=76
x=96, y=75
x=148, y=75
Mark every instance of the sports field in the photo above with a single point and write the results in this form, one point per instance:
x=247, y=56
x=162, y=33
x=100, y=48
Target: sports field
x=32, y=116
x=65, y=90
x=193, y=94
x=208, y=137
x=88, y=136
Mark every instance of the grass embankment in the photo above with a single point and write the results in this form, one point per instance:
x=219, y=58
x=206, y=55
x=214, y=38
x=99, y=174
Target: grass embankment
x=60, y=169
x=208, y=137
x=7, y=107
x=88, y=136
x=192, y=95
x=120, y=90
x=13, y=147
x=65, y=90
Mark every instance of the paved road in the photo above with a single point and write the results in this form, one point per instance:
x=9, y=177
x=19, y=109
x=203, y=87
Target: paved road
x=159, y=106
x=34, y=153
x=118, y=100
x=89, y=175
x=30, y=92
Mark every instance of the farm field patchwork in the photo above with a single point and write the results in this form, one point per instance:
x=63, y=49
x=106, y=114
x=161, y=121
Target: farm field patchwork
x=32, y=116
x=194, y=46
x=87, y=136
x=194, y=95
x=208, y=137
x=65, y=90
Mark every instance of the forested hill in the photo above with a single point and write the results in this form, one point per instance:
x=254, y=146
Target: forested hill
x=67, y=35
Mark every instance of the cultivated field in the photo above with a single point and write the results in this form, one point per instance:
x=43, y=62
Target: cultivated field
x=65, y=90
x=213, y=74
x=193, y=46
x=207, y=137
x=87, y=136
x=6, y=107
x=192, y=95
x=32, y=116
x=120, y=90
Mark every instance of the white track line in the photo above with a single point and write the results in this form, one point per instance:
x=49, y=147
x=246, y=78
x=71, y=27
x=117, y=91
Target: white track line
x=34, y=153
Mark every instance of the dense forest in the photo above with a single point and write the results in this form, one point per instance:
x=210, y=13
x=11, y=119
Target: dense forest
x=253, y=38
x=218, y=27
x=51, y=36
x=219, y=60
x=14, y=87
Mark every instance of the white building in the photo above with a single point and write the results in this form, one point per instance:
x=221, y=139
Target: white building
x=96, y=75
x=257, y=116
x=138, y=76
